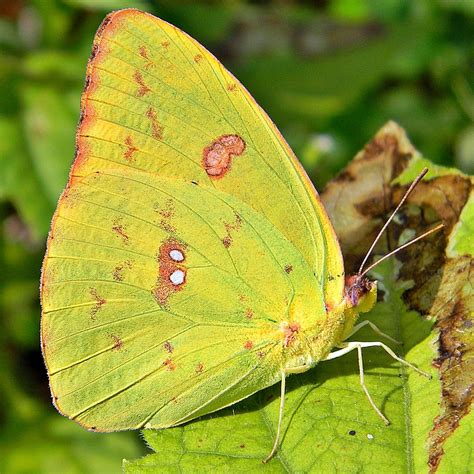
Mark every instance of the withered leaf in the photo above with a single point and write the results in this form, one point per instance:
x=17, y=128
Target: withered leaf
x=440, y=267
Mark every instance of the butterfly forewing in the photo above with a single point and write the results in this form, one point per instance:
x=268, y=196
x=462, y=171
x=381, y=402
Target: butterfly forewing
x=156, y=100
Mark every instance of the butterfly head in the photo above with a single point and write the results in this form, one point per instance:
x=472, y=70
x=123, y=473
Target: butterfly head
x=360, y=293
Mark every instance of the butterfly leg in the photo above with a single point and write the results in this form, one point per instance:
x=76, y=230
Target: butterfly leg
x=393, y=355
x=349, y=348
x=374, y=328
x=359, y=345
x=280, y=418
x=284, y=373
x=364, y=387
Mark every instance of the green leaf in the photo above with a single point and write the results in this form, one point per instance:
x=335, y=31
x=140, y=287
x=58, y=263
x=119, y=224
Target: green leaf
x=18, y=183
x=328, y=424
x=50, y=118
x=69, y=448
x=107, y=5
x=315, y=89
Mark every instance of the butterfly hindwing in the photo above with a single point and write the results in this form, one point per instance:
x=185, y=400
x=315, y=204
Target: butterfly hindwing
x=127, y=344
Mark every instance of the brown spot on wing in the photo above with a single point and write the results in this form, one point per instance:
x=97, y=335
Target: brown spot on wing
x=167, y=227
x=143, y=88
x=217, y=157
x=119, y=269
x=166, y=267
x=99, y=302
x=199, y=368
x=165, y=44
x=230, y=228
x=118, y=343
x=249, y=313
x=120, y=230
x=169, y=364
x=166, y=213
x=156, y=128
x=168, y=347
x=288, y=268
x=231, y=87
x=143, y=52
x=197, y=58
x=130, y=150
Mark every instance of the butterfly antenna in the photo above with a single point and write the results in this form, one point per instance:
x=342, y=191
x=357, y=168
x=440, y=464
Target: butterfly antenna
x=361, y=271
x=422, y=236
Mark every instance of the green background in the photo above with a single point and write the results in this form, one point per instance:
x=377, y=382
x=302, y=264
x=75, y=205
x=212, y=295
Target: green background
x=330, y=73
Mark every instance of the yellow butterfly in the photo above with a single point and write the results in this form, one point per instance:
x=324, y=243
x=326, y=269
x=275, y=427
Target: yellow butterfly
x=190, y=261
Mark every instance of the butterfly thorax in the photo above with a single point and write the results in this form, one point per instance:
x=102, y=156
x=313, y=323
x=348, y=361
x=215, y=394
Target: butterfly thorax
x=305, y=345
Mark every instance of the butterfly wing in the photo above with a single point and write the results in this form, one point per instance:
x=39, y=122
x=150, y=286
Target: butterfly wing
x=127, y=344
x=157, y=101
x=187, y=233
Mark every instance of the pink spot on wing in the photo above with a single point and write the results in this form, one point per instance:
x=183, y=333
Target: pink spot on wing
x=290, y=333
x=217, y=157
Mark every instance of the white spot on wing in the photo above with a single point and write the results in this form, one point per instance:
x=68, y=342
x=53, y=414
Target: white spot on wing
x=176, y=255
x=177, y=277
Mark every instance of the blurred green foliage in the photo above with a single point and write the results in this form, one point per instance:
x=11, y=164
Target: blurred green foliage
x=329, y=72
